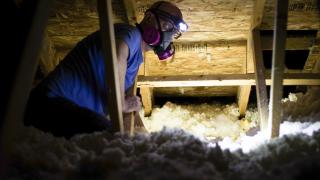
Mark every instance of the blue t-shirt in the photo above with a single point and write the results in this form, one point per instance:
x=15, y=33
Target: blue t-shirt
x=80, y=77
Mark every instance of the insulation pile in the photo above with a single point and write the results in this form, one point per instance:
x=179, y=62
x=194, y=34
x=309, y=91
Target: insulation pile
x=206, y=121
x=174, y=153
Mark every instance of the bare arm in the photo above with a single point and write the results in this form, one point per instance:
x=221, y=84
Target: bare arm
x=130, y=102
x=122, y=56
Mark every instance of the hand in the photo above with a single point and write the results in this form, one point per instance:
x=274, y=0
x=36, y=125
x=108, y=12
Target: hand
x=132, y=103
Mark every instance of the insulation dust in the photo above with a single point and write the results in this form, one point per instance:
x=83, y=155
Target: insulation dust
x=180, y=149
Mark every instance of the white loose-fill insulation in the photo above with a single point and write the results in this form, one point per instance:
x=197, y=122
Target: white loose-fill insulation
x=205, y=141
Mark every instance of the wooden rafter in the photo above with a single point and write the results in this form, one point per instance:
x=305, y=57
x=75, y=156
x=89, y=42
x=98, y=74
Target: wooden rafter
x=278, y=55
x=109, y=52
x=244, y=91
x=261, y=89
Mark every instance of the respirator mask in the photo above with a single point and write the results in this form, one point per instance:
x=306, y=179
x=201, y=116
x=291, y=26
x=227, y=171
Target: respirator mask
x=161, y=41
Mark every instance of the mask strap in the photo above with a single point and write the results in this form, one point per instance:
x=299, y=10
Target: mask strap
x=158, y=21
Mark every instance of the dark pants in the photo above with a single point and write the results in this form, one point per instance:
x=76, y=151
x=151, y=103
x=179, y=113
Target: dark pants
x=62, y=117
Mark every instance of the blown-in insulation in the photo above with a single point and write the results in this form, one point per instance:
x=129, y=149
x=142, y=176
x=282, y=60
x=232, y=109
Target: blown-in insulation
x=204, y=141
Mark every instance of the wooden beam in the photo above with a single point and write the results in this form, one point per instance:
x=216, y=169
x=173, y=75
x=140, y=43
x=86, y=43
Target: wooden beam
x=224, y=80
x=278, y=55
x=111, y=66
x=256, y=18
x=147, y=99
x=130, y=7
x=261, y=89
x=13, y=117
x=132, y=118
x=244, y=91
x=243, y=98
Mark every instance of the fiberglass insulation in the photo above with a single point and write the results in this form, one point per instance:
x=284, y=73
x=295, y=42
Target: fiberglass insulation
x=175, y=153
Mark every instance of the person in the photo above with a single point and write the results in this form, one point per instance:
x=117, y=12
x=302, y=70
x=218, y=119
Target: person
x=72, y=99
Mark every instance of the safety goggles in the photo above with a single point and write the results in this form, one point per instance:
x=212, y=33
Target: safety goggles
x=179, y=26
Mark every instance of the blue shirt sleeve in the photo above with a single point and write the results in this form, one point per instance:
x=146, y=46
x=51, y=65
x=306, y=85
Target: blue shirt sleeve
x=132, y=37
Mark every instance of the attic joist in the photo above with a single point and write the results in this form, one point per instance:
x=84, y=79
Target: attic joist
x=224, y=80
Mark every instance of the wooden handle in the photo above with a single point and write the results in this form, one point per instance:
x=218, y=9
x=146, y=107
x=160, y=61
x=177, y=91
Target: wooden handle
x=132, y=114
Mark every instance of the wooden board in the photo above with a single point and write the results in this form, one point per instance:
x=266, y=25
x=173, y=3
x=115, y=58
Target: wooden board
x=147, y=99
x=302, y=15
x=201, y=58
x=224, y=80
x=72, y=20
x=210, y=20
x=278, y=55
x=213, y=22
x=111, y=65
x=261, y=89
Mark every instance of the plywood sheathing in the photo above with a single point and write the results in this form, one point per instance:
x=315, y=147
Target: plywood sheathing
x=72, y=20
x=302, y=15
x=210, y=20
x=216, y=23
x=199, y=59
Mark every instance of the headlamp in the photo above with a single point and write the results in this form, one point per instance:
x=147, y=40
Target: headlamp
x=183, y=27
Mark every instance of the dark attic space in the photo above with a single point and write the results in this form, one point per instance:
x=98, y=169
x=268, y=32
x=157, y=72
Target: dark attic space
x=149, y=89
